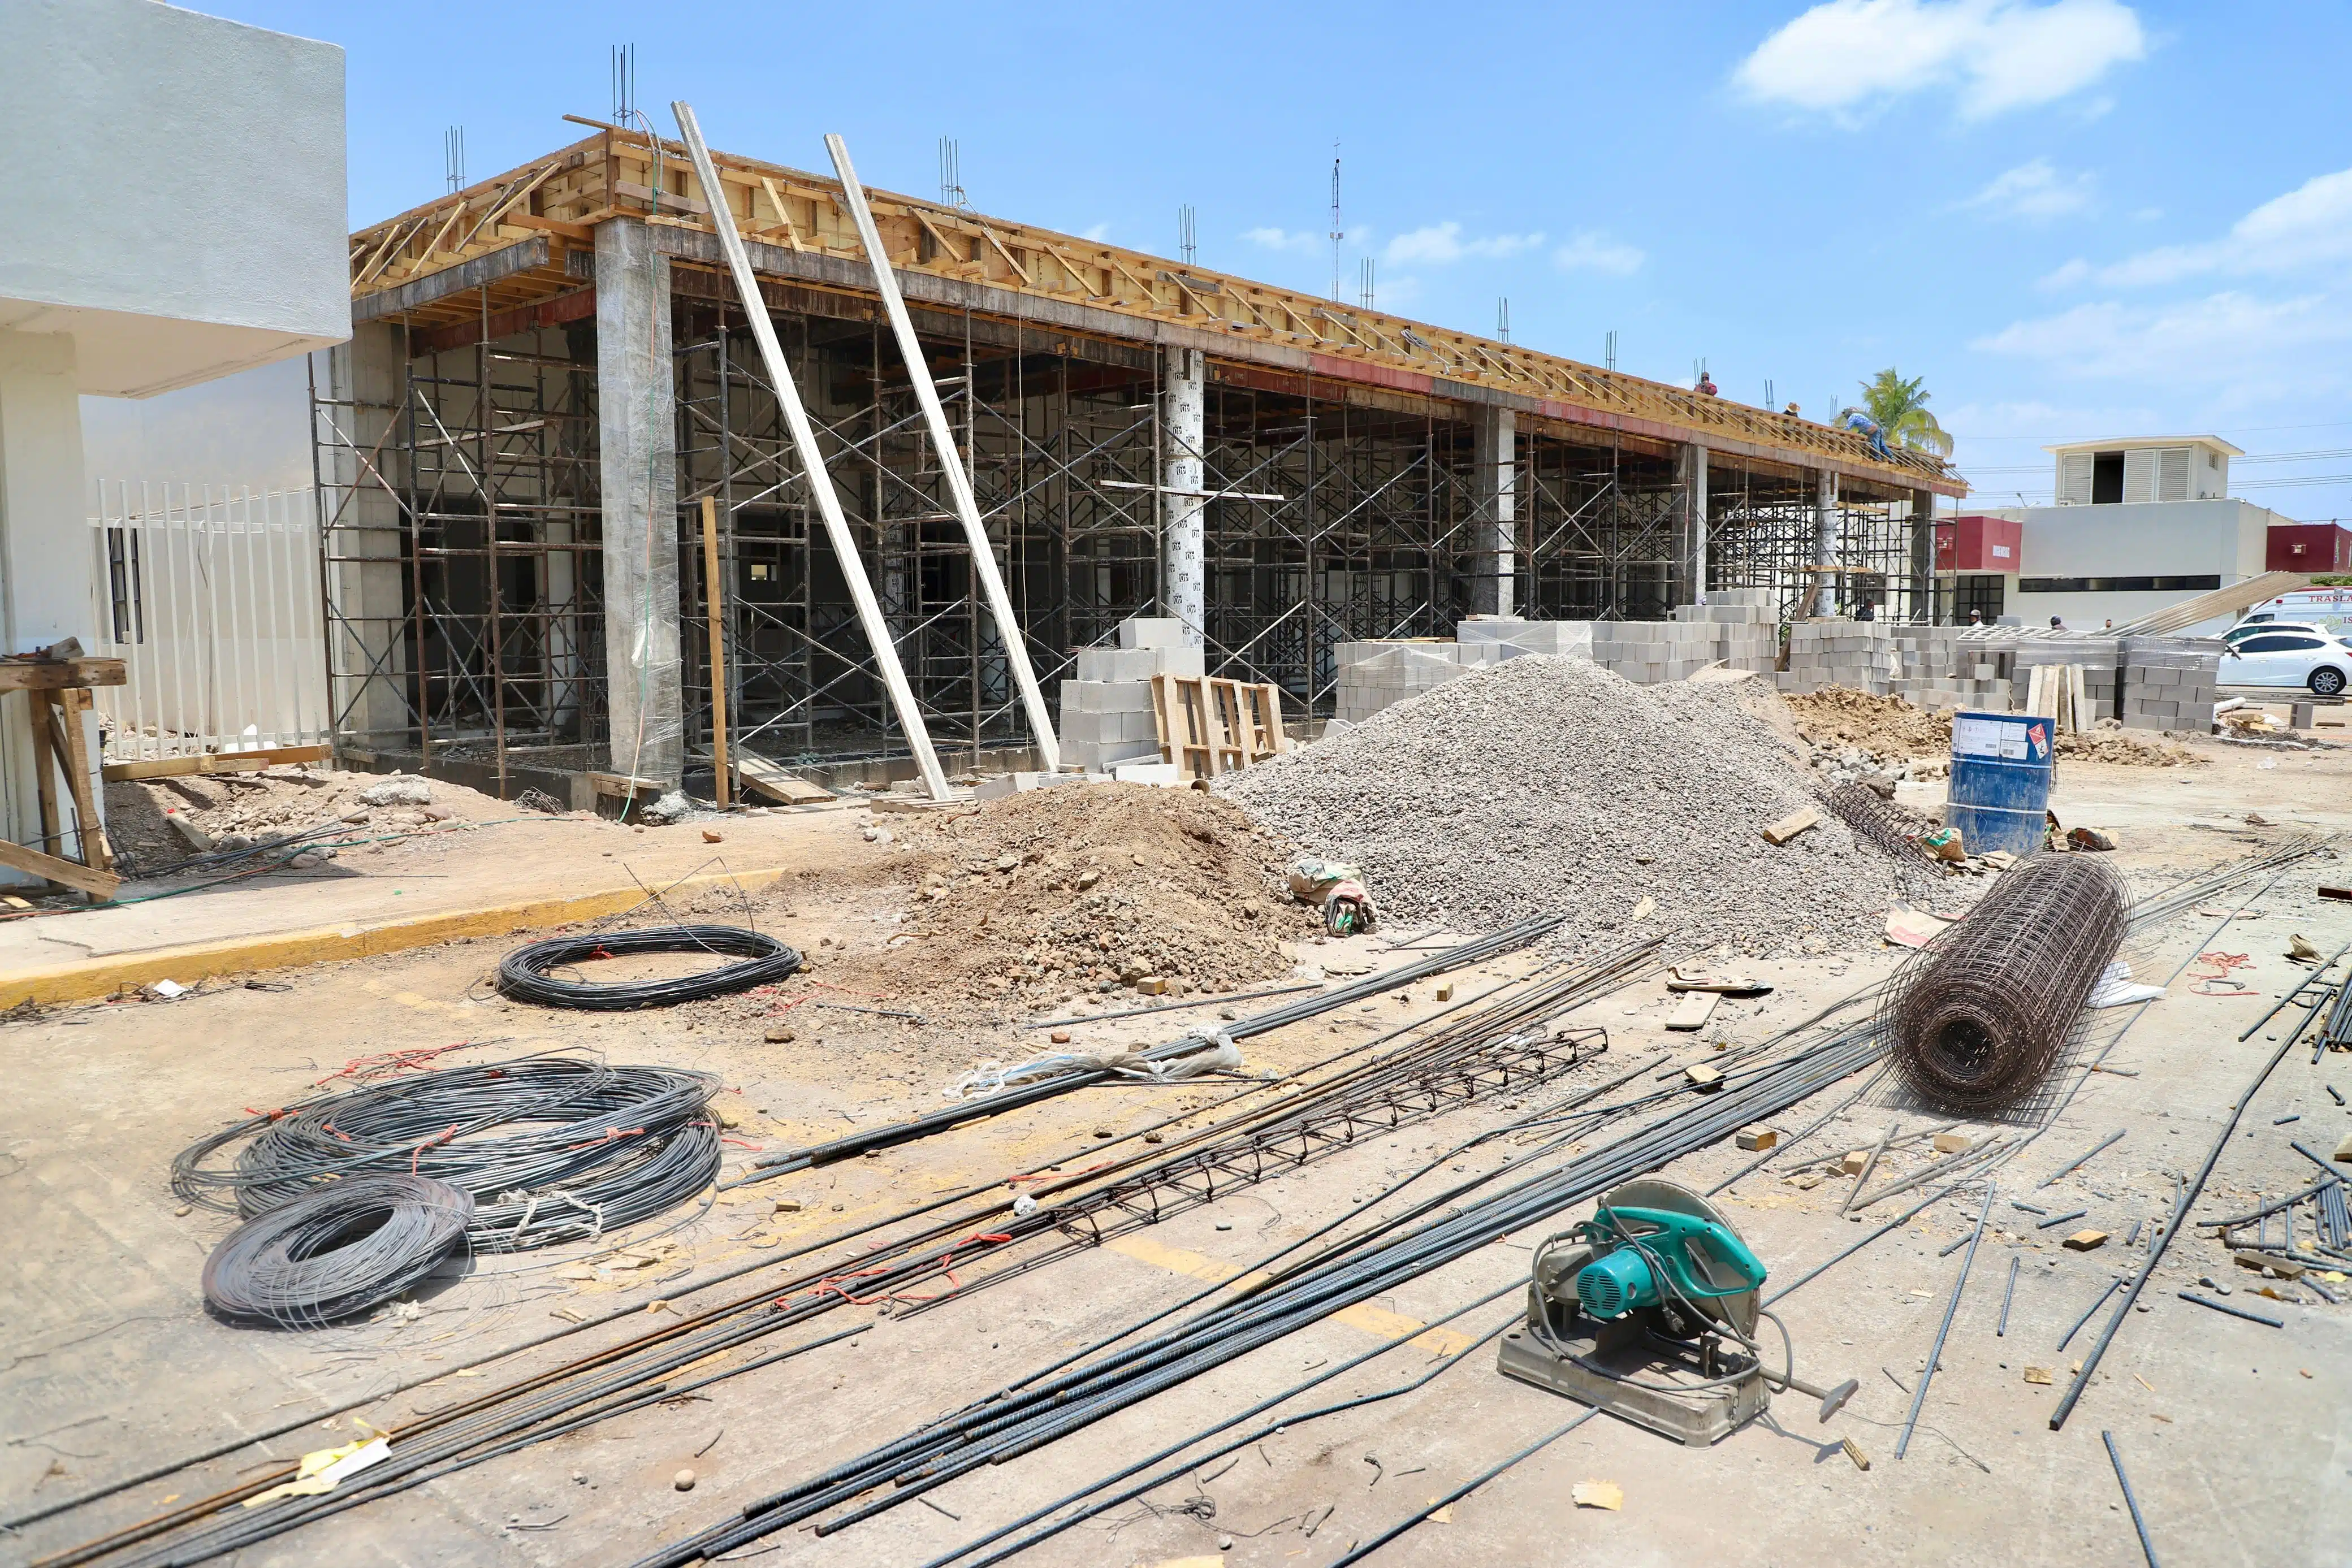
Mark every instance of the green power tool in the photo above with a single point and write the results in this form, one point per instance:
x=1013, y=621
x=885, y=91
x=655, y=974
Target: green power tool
x=1649, y=1311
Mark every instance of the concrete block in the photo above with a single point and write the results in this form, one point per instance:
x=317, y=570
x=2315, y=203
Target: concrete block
x=1152, y=631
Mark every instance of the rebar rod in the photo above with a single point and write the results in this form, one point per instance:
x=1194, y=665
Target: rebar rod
x=1927, y=1374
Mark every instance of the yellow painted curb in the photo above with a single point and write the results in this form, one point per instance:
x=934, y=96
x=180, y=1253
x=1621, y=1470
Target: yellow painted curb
x=93, y=979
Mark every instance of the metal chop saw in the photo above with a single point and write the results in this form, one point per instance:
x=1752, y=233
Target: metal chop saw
x=1648, y=1311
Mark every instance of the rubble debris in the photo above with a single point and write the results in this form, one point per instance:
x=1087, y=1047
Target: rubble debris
x=397, y=789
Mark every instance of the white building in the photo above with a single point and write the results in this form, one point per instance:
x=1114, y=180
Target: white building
x=180, y=215
x=2141, y=523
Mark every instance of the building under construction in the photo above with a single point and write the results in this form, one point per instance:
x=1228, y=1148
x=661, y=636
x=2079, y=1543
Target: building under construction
x=553, y=470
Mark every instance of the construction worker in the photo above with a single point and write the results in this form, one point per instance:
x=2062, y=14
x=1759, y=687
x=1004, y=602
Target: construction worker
x=1863, y=424
x=2057, y=624
x=1791, y=410
x=1976, y=618
x=1706, y=384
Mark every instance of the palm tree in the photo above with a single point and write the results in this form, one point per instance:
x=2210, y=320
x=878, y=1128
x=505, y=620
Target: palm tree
x=1901, y=409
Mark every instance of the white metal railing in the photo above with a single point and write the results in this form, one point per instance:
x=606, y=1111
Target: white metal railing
x=210, y=595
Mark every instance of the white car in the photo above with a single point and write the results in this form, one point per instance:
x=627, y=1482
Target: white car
x=2285, y=657
x=2245, y=629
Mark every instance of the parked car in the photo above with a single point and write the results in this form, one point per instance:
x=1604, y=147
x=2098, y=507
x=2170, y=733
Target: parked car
x=2252, y=624
x=2276, y=657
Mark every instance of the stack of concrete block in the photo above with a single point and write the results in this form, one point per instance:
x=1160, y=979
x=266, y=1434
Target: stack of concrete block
x=1936, y=667
x=1106, y=715
x=2098, y=655
x=1555, y=638
x=1374, y=675
x=1648, y=652
x=1856, y=654
x=2168, y=683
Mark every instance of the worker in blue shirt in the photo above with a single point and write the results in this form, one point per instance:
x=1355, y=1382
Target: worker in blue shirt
x=1863, y=424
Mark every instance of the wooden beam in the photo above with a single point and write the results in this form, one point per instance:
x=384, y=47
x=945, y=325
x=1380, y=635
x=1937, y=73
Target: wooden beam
x=521, y=257
x=59, y=869
x=214, y=762
x=58, y=675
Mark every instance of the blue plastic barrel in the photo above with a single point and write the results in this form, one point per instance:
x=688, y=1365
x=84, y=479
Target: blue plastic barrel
x=2002, y=764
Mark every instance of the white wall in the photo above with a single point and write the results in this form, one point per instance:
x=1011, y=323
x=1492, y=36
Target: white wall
x=2224, y=539
x=178, y=200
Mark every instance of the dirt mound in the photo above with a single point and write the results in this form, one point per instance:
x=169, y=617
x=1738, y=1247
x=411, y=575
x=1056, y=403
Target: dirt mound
x=1885, y=727
x=1542, y=784
x=1027, y=900
x=1890, y=727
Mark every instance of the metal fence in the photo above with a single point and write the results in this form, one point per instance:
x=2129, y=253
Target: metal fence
x=210, y=595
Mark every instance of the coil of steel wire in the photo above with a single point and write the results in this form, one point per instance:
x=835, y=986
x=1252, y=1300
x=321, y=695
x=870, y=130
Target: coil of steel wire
x=549, y=1148
x=1881, y=820
x=526, y=974
x=336, y=1252
x=1978, y=1018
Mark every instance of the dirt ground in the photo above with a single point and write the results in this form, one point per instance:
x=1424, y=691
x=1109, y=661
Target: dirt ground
x=2237, y=1436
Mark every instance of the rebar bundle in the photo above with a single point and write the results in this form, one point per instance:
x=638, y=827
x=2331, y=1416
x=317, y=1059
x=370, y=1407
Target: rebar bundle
x=336, y=1252
x=1977, y=1018
x=1874, y=817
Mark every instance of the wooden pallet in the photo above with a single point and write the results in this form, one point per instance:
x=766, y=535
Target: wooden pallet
x=1210, y=725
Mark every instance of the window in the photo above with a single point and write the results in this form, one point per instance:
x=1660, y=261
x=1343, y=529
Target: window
x=2280, y=644
x=2108, y=479
x=122, y=585
x=2119, y=584
x=2075, y=479
x=2172, y=474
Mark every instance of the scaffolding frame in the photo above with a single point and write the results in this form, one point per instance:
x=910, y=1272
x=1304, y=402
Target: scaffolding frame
x=1333, y=515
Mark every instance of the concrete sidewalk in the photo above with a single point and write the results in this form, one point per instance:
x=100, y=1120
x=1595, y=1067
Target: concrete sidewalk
x=440, y=887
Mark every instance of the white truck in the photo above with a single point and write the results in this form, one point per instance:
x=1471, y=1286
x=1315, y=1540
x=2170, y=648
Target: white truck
x=2328, y=608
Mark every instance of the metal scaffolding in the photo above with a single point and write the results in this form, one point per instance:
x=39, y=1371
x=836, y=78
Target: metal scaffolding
x=461, y=503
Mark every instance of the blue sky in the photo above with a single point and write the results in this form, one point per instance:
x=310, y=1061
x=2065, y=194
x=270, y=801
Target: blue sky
x=2076, y=218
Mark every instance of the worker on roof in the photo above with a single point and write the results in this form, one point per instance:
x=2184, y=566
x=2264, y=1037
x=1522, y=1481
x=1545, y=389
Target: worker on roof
x=1791, y=410
x=1705, y=387
x=1863, y=424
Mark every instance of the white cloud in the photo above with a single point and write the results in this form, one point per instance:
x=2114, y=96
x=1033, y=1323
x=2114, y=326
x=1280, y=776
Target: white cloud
x=1848, y=56
x=1592, y=252
x=2228, y=345
x=1282, y=239
x=2033, y=190
x=1099, y=233
x=2309, y=226
x=2065, y=275
x=1441, y=244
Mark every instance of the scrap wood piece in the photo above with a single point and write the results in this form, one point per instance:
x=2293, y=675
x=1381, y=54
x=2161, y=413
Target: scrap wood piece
x=1599, y=1494
x=1789, y=826
x=776, y=783
x=1728, y=985
x=1695, y=1011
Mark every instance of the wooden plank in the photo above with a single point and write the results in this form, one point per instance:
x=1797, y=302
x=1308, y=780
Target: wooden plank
x=1697, y=1008
x=57, y=675
x=72, y=706
x=622, y=785
x=57, y=869
x=1789, y=826
x=215, y=762
x=790, y=789
x=45, y=766
x=718, y=648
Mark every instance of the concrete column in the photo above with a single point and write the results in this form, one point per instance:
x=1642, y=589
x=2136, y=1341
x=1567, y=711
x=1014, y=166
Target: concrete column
x=637, y=426
x=1923, y=556
x=46, y=571
x=365, y=580
x=1184, y=584
x=1494, y=532
x=1693, y=567
x=1824, y=598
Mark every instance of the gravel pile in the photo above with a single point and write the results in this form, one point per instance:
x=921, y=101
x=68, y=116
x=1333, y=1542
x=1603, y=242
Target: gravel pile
x=1542, y=783
x=1839, y=720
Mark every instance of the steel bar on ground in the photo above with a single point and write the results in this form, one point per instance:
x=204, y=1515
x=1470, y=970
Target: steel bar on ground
x=2080, y=1160
x=1927, y=1374
x=2146, y=1547
x=2113, y=1286
x=1358, y=1553
x=2226, y=1307
x=2009, y=1295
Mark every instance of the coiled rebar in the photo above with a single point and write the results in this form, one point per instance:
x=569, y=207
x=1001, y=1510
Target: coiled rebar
x=1977, y=1018
x=524, y=974
x=336, y=1252
x=550, y=1148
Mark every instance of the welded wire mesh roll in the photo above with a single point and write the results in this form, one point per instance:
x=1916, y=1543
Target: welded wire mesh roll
x=549, y=1148
x=336, y=1252
x=1978, y=1018
x=1879, y=820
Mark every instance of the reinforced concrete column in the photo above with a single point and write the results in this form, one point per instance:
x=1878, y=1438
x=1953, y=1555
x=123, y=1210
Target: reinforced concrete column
x=47, y=573
x=1923, y=556
x=1184, y=403
x=1692, y=566
x=1823, y=598
x=1496, y=532
x=637, y=426
x=367, y=380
